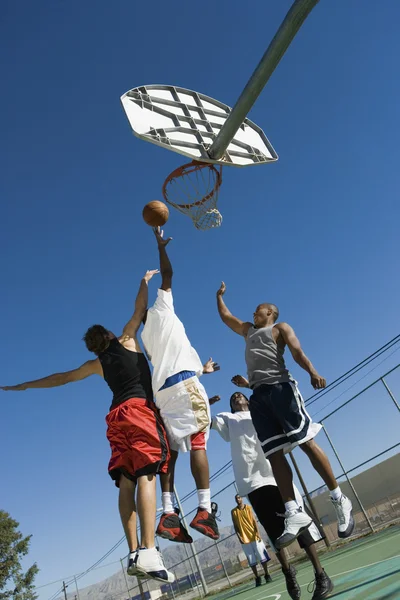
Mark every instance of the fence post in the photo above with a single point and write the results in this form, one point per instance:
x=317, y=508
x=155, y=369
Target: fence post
x=192, y=546
x=222, y=563
x=390, y=394
x=126, y=579
x=77, y=589
x=310, y=502
x=349, y=480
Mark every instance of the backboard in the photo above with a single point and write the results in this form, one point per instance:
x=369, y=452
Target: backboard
x=188, y=122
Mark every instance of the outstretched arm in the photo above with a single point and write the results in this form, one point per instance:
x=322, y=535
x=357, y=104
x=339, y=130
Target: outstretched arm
x=91, y=367
x=238, y=326
x=165, y=263
x=299, y=356
x=132, y=326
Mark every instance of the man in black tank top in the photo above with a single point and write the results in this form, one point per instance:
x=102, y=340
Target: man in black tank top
x=279, y=414
x=139, y=446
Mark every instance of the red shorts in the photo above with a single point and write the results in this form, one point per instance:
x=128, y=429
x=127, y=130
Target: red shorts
x=138, y=441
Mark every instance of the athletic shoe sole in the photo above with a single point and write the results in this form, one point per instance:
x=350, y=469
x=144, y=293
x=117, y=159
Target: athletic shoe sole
x=205, y=532
x=284, y=543
x=152, y=575
x=349, y=530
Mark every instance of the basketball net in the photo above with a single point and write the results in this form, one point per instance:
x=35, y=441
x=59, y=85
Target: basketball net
x=193, y=190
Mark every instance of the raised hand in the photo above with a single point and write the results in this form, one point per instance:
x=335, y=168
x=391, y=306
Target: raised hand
x=214, y=399
x=210, y=367
x=222, y=289
x=240, y=381
x=159, y=233
x=150, y=274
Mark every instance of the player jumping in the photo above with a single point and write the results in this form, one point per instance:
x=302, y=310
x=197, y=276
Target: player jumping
x=139, y=446
x=182, y=401
x=254, y=479
x=279, y=414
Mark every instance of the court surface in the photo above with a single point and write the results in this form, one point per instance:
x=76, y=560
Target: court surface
x=366, y=569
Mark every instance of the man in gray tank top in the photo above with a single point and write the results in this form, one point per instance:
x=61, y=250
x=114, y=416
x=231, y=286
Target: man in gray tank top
x=279, y=414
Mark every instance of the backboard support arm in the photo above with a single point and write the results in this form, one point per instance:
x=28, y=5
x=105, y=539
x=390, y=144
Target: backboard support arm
x=294, y=19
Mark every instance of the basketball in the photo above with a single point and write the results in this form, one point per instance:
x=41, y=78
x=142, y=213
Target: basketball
x=155, y=213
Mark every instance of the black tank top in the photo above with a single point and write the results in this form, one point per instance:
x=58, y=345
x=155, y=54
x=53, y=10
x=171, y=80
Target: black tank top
x=127, y=373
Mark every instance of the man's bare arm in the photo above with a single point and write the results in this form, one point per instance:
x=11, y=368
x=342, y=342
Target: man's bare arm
x=165, y=263
x=238, y=326
x=131, y=328
x=299, y=356
x=91, y=367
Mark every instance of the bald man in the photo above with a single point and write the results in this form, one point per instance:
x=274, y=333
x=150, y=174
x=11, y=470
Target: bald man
x=279, y=414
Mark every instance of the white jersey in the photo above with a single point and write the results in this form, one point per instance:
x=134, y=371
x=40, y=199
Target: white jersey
x=166, y=342
x=251, y=469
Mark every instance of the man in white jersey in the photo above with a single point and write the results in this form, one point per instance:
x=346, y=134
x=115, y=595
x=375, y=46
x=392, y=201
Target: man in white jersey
x=182, y=402
x=254, y=479
x=279, y=414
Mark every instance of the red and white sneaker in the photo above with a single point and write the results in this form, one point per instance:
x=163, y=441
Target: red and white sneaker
x=205, y=522
x=171, y=528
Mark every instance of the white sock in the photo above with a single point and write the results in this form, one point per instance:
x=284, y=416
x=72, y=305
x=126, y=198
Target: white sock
x=336, y=494
x=291, y=506
x=205, y=499
x=168, y=502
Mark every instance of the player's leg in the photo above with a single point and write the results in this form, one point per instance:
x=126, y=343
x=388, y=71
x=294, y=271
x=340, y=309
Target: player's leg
x=251, y=556
x=139, y=451
x=283, y=475
x=275, y=415
x=256, y=575
x=342, y=504
x=264, y=558
x=170, y=526
x=127, y=511
x=323, y=586
x=267, y=504
x=146, y=504
x=205, y=519
x=167, y=484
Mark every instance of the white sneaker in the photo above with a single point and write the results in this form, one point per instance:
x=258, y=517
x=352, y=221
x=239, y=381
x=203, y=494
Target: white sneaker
x=149, y=562
x=296, y=521
x=131, y=570
x=344, y=513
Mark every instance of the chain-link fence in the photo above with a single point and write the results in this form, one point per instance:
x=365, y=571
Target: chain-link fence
x=360, y=438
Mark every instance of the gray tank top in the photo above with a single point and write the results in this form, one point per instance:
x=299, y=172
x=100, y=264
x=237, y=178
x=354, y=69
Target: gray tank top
x=264, y=358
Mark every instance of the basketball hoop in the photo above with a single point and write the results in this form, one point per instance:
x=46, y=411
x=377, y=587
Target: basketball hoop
x=193, y=190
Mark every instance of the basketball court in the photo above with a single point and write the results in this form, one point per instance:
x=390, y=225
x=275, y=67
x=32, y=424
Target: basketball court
x=367, y=569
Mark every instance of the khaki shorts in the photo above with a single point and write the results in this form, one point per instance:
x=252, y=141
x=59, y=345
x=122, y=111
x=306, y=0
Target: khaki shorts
x=185, y=411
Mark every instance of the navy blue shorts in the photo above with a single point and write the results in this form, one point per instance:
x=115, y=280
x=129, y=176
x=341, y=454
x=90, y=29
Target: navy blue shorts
x=280, y=418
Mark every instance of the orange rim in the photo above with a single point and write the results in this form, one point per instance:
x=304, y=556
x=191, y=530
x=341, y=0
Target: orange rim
x=188, y=169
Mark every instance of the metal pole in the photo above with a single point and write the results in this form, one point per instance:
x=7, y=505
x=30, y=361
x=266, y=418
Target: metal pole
x=309, y=500
x=65, y=590
x=77, y=589
x=348, y=480
x=193, y=547
x=196, y=583
x=294, y=19
x=126, y=579
x=222, y=563
x=390, y=394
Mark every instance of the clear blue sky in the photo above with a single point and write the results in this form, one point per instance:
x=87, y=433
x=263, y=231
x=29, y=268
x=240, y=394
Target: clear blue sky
x=316, y=233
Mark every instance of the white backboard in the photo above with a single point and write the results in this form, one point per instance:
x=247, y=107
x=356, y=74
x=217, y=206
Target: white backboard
x=188, y=122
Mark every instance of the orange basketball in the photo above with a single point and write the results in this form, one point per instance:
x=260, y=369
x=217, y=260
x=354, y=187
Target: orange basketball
x=155, y=213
